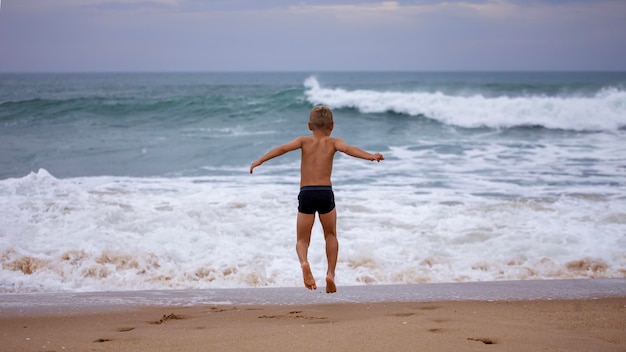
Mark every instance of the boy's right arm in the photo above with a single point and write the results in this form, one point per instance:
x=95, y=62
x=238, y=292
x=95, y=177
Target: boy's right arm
x=278, y=151
x=356, y=152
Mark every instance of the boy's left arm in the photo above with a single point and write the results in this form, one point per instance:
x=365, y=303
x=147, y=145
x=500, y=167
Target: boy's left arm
x=356, y=152
x=278, y=151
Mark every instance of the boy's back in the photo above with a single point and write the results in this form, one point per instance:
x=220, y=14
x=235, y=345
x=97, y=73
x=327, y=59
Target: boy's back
x=316, y=164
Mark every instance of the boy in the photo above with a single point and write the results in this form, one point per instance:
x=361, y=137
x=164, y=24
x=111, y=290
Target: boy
x=316, y=194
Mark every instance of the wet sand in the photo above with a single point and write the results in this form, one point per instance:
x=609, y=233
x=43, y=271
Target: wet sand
x=589, y=320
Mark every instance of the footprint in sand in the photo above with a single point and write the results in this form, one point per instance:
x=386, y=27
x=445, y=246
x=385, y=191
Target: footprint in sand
x=292, y=315
x=102, y=340
x=168, y=318
x=485, y=340
x=402, y=314
x=124, y=329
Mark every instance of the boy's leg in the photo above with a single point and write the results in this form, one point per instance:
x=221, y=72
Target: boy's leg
x=329, y=225
x=303, y=229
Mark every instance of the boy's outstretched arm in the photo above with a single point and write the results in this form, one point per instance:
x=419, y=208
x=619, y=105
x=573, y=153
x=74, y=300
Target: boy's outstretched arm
x=357, y=152
x=278, y=151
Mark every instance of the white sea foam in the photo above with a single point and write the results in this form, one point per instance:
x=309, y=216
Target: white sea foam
x=604, y=111
x=112, y=233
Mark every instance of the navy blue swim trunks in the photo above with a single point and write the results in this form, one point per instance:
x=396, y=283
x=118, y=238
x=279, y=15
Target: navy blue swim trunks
x=313, y=199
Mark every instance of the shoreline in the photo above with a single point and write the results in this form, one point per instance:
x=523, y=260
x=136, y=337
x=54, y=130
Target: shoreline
x=62, y=303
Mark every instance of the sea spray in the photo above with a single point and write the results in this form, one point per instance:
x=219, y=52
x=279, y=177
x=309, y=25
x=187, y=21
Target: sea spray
x=106, y=233
x=605, y=110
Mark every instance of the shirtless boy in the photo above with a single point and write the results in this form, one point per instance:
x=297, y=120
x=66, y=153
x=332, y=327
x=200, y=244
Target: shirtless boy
x=316, y=194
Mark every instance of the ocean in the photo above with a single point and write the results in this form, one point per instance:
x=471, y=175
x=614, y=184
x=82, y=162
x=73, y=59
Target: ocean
x=139, y=181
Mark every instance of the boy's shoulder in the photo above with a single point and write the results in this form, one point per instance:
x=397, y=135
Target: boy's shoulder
x=311, y=138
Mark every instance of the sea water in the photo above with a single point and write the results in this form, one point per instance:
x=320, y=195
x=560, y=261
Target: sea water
x=141, y=181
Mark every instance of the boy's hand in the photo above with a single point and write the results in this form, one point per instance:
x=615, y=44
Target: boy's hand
x=378, y=157
x=254, y=164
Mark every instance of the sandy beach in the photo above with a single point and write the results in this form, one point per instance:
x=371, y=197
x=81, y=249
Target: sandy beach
x=579, y=323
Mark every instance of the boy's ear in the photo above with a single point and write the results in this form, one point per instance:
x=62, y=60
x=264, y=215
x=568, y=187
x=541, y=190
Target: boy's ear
x=310, y=126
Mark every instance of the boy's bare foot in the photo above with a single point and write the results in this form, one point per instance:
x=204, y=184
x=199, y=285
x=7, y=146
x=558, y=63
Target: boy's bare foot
x=330, y=284
x=309, y=280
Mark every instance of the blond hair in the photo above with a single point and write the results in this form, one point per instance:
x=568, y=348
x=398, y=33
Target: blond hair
x=321, y=118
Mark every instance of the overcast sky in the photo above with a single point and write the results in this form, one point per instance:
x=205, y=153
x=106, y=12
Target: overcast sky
x=280, y=35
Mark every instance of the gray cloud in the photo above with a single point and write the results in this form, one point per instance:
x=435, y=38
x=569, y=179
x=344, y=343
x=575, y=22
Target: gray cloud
x=193, y=35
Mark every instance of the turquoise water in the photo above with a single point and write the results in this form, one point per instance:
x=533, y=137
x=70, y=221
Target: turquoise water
x=187, y=124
